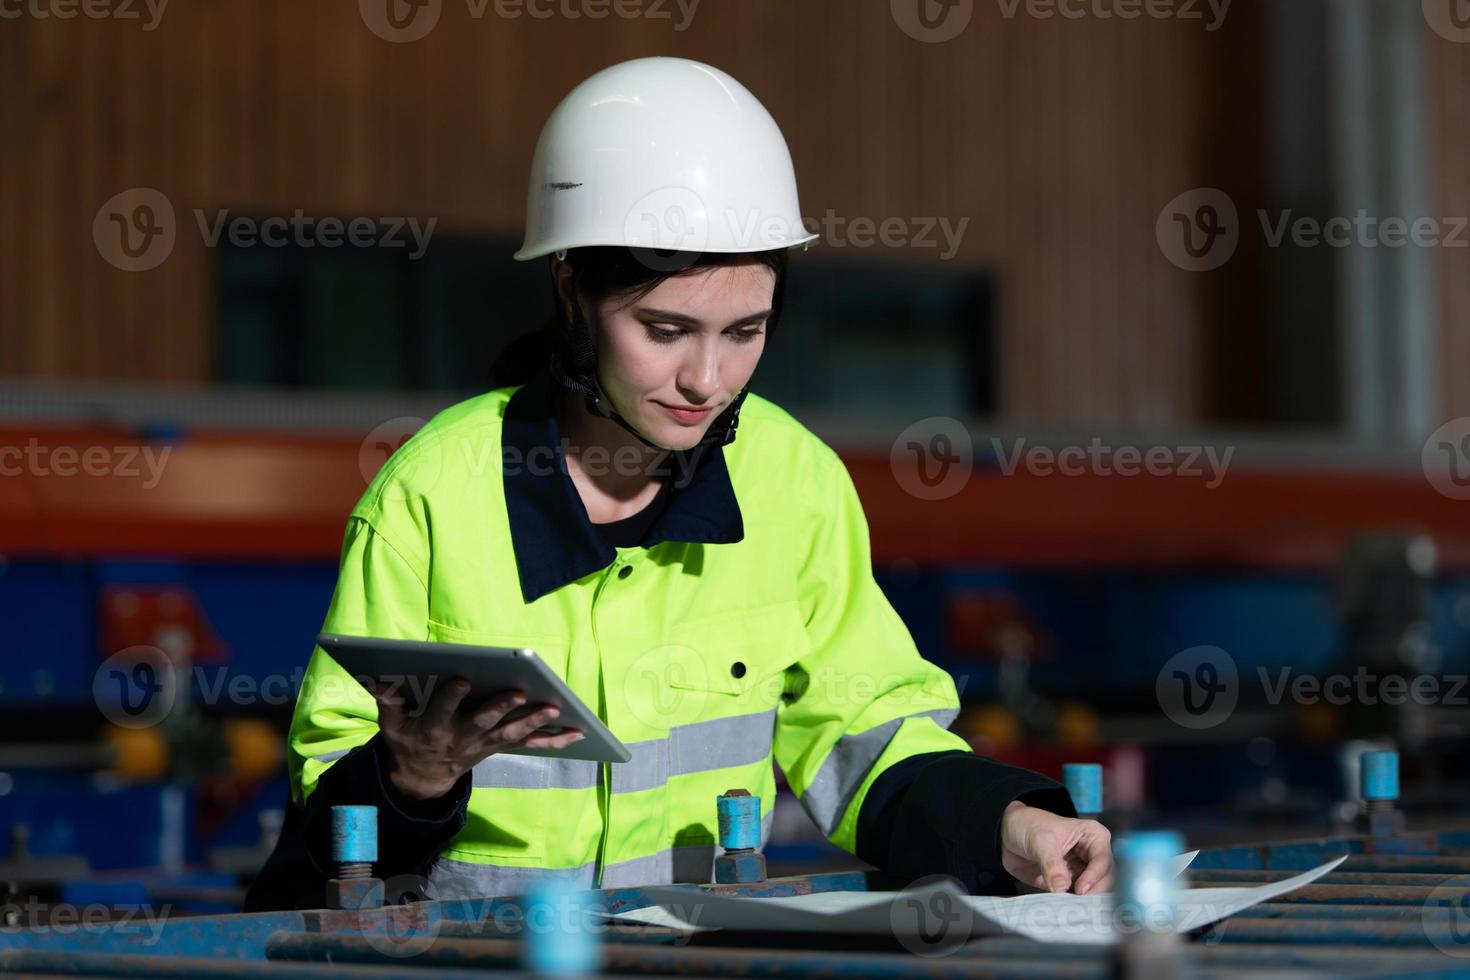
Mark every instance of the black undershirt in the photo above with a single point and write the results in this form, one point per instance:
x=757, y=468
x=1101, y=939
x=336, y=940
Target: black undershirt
x=629, y=531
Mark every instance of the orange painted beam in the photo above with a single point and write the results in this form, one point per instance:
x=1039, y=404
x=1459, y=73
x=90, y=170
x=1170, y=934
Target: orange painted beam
x=272, y=496
x=1255, y=518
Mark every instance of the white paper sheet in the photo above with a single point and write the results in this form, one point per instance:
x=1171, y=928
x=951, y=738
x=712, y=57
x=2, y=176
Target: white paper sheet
x=1062, y=918
x=1181, y=861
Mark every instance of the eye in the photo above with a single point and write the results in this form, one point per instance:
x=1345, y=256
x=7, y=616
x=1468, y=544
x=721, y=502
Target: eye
x=745, y=336
x=661, y=336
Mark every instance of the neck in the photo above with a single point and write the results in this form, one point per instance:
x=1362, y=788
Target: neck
x=620, y=465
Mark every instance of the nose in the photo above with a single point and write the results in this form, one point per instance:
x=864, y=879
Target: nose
x=699, y=374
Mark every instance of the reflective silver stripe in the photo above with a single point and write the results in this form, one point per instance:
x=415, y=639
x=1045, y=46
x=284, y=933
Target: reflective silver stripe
x=450, y=879
x=740, y=740
x=506, y=771
x=847, y=765
x=331, y=756
x=721, y=743
x=688, y=862
x=685, y=863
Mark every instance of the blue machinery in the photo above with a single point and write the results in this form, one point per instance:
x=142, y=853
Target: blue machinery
x=1399, y=906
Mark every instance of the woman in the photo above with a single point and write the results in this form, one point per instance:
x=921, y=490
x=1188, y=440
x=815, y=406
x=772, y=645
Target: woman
x=711, y=597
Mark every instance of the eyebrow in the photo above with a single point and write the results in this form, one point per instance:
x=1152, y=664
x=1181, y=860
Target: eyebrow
x=685, y=319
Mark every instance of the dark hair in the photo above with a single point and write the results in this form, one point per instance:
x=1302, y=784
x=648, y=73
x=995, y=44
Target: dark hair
x=600, y=271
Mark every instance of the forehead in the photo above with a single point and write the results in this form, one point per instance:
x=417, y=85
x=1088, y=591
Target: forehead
x=743, y=288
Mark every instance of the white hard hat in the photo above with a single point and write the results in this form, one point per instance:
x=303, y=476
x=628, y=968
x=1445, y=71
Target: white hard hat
x=662, y=153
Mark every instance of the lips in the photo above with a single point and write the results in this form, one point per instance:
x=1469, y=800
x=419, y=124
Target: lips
x=687, y=415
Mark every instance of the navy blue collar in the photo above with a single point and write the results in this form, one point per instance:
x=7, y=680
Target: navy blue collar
x=554, y=540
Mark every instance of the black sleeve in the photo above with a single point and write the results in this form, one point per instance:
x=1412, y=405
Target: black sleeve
x=410, y=832
x=939, y=814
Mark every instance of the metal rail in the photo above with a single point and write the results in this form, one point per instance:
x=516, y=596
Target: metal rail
x=1399, y=906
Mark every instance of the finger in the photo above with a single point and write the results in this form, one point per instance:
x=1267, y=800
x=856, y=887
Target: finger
x=1099, y=872
x=390, y=713
x=389, y=701
x=1053, y=866
x=388, y=695
x=382, y=689
x=445, y=703
x=561, y=741
x=490, y=714
x=514, y=731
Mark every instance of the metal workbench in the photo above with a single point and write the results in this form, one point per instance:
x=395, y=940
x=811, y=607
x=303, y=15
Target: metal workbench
x=1399, y=906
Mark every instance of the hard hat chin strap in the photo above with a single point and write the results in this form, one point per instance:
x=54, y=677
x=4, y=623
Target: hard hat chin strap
x=581, y=379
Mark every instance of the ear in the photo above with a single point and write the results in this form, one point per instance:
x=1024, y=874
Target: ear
x=561, y=274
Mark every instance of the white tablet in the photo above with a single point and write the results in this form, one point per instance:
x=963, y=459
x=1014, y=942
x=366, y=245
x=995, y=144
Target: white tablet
x=419, y=668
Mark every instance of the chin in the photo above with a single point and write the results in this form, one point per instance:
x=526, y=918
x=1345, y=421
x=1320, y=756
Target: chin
x=679, y=437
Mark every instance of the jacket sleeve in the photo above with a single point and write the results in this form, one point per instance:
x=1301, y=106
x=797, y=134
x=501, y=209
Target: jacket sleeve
x=861, y=698
x=334, y=754
x=862, y=733
x=940, y=814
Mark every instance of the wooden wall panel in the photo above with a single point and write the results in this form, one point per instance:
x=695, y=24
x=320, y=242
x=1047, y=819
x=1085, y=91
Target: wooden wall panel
x=1059, y=140
x=1448, y=84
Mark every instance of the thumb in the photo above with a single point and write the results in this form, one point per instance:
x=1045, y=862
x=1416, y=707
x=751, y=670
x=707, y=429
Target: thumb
x=1053, y=866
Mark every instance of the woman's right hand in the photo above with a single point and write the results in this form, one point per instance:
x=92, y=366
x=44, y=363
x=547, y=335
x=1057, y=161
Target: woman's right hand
x=432, y=748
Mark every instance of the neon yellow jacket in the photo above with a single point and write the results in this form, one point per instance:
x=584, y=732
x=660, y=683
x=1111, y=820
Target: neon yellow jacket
x=754, y=629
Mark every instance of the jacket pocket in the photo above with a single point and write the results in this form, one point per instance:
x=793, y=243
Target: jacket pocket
x=743, y=654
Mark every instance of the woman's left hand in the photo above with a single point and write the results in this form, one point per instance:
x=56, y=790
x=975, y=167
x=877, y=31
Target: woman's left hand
x=1055, y=853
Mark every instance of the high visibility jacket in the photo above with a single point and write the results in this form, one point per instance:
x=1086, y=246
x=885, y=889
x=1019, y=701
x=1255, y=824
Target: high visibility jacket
x=748, y=628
